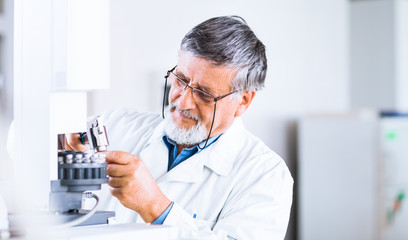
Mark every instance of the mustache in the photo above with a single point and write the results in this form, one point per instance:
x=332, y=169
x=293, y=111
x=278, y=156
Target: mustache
x=175, y=106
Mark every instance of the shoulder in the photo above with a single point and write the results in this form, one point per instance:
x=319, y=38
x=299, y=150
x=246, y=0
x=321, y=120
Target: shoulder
x=259, y=156
x=130, y=116
x=260, y=169
x=245, y=155
x=254, y=156
x=128, y=130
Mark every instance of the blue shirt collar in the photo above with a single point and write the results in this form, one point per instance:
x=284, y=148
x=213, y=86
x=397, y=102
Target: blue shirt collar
x=175, y=159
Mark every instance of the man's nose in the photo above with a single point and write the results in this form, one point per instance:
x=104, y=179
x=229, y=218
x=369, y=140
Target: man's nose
x=186, y=100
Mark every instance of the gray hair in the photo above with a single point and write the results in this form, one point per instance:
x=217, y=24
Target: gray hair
x=228, y=41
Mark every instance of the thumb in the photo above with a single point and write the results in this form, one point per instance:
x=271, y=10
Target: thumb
x=118, y=157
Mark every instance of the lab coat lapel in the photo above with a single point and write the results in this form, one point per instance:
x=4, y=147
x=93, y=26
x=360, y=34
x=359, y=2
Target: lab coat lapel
x=190, y=170
x=155, y=153
x=219, y=157
x=155, y=156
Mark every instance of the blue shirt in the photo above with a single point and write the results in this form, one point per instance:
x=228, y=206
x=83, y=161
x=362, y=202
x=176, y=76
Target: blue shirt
x=175, y=160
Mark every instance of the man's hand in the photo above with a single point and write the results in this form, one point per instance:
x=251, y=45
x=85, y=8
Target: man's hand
x=73, y=142
x=134, y=186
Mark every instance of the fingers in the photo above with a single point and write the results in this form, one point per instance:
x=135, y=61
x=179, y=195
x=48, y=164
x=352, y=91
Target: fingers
x=133, y=185
x=116, y=170
x=118, y=157
x=121, y=164
x=72, y=142
x=117, y=182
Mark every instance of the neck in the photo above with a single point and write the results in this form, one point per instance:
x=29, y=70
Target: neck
x=180, y=147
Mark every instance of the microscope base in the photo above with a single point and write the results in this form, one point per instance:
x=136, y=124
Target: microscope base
x=99, y=217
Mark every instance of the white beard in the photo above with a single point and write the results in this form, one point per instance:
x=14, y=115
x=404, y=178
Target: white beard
x=180, y=135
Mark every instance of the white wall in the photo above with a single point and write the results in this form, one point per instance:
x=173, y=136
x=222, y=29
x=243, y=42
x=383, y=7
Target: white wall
x=372, y=54
x=401, y=30
x=6, y=96
x=6, y=83
x=379, y=54
x=307, y=48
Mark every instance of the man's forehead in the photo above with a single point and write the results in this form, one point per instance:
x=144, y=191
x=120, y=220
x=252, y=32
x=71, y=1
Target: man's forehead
x=202, y=72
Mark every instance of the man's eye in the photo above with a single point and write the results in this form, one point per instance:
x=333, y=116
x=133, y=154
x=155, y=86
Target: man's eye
x=205, y=97
x=180, y=82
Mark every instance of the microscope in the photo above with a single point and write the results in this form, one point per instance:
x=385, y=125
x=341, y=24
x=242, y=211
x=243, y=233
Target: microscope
x=78, y=174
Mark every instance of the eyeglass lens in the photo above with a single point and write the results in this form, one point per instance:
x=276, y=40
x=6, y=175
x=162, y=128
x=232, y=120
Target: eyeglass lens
x=198, y=94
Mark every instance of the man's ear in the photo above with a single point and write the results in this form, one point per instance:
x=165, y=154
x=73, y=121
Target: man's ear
x=246, y=99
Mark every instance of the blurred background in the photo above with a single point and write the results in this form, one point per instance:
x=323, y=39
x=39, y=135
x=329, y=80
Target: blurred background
x=333, y=107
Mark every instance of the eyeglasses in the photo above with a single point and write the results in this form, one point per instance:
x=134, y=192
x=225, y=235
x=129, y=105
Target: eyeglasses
x=198, y=94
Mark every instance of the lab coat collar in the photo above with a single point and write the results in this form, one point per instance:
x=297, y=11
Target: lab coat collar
x=219, y=156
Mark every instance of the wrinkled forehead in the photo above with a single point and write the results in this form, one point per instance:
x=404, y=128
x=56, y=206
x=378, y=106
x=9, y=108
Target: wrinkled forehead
x=201, y=72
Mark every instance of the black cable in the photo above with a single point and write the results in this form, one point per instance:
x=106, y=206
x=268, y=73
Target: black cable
x=212, y=123
x=165, y=88
x=164, y=94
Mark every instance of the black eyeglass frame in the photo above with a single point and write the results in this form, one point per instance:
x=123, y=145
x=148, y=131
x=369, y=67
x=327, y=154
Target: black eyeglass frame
x=193, y=89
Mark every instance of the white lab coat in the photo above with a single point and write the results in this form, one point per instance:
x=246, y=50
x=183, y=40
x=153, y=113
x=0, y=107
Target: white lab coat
x=237, y=187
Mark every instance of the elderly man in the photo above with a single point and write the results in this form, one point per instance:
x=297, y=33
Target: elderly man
x=199, y=168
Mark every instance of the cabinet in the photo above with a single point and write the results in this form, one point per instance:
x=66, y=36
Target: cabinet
x=353, y=180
